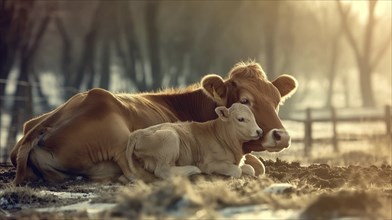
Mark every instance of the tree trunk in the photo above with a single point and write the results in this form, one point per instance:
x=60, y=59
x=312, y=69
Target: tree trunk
x=365, y=71
x=366, y=86
x=87, y=58
x=346, y=92
x=363, y=57
x=43, y=99
x=132, y=54
x=331, y=70
x=10, y=36
x=23, y=90
x=272, y=19
x=20, y=101
x=153, y=42
x=66, y=58
x=105, y=64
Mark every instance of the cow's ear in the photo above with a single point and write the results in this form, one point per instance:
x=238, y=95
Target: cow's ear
x=222, y=112
x=215, y=88
x=286, y=84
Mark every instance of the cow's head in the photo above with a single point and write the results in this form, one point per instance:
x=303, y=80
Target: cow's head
x=248, y=84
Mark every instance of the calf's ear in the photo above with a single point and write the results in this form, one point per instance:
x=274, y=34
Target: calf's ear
x=215, y=88
x=286, y=84
x=222, y=112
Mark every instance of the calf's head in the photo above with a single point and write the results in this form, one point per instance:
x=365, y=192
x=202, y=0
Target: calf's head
x=242, y=121
x=248, y=84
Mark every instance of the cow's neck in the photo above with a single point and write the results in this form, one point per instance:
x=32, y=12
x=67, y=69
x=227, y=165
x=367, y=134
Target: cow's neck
x=188, y=106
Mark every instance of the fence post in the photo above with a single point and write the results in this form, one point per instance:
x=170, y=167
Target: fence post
x=1, y=128
x=1, y=124
x=334, y=130
x=388, y=120
x=308, y=132
x=29, y=100
x=20, y=121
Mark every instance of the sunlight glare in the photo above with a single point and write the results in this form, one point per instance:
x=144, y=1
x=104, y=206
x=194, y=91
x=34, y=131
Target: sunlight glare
x=360, y=8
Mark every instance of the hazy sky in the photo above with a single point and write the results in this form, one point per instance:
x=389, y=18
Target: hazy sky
x=360, y=7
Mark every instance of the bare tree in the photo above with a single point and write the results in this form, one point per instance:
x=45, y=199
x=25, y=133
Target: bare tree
x=126, y=45
x=151, y=12
x=66, y=55
x=366, y=55
x=271, y=25
x=29, y=44
x=13, y=22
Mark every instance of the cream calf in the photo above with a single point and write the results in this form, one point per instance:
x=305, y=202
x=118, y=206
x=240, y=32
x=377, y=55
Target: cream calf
x=187, y=148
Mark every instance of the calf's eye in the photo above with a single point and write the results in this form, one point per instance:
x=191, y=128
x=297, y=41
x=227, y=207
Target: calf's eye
x=241, y=119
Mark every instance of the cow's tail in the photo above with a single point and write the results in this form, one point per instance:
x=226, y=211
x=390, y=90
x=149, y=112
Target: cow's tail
x=133, y=162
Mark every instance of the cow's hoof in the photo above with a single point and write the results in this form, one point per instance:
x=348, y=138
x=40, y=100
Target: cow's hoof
x=124, y=180
x=257, y=165
x=248, y=170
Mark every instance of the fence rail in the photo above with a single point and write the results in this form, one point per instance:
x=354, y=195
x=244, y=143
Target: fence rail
x=334, y=115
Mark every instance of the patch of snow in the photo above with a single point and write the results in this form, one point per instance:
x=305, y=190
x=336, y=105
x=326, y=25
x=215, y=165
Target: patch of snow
x=91, y=208
x=258, y=212
x=279, y=188
x=69, y=195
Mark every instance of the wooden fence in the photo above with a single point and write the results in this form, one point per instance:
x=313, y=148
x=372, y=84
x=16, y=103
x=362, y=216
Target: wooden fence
x=335, y=116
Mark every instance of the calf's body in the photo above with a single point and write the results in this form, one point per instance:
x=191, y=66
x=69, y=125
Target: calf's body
x=187, y=148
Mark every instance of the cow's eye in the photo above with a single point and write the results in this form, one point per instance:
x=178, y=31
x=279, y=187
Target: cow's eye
x=241, y=119
x=244, y=101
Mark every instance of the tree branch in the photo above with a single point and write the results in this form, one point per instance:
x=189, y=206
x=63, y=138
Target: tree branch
x=382, y=49
x=367, y=40
x=344, y=14
x=41, y=30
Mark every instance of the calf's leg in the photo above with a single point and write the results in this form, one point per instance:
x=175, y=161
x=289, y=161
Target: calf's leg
x=184, y=170
x=226, y=169
x=158, y=150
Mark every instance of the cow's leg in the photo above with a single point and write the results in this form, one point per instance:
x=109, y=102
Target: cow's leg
x=255, y=163
x=226, y=169
x=48, y=165
x=184, y=170
x=124, y=166
x=104, y=171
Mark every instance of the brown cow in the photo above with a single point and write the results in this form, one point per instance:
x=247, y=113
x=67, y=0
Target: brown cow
x=87, y=134
x=187, y=148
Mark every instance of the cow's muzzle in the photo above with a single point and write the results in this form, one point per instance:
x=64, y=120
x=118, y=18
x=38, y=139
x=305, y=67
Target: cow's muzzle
x=276, y=140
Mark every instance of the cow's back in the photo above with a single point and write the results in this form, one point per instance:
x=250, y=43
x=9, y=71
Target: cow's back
x=91, y=128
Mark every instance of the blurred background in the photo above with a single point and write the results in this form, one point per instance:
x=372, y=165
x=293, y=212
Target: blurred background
x=339, y=51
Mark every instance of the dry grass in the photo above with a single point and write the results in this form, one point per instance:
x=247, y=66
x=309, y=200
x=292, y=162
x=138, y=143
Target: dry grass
x=349, y=184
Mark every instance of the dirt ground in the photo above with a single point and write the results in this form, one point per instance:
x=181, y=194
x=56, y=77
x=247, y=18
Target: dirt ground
x=317, y=191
